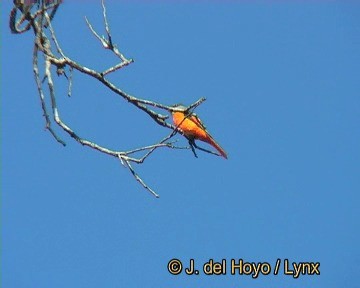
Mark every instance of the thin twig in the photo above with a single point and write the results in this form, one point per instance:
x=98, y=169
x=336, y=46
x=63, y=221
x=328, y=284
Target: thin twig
x=140, y=180
x=15, y=25
x=108, y=44
x=117, y=67
x=42, y=97
x=101, y=39
x=53, y=37
x=70, y=81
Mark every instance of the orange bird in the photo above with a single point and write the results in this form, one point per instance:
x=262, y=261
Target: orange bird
x=194, y=129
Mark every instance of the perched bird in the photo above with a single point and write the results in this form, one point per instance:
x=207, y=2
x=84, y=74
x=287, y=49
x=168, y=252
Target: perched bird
x=193, y=129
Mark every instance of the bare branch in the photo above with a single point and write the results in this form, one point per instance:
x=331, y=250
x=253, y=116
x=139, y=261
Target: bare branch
x=41, y=24
x=15, y=24
x=108, y=44
x=102, y=40
x=117, y=67
x=70, y=81
x=140, y=180
x=42, y=97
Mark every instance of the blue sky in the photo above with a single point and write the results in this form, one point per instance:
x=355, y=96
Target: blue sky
x=282, y=86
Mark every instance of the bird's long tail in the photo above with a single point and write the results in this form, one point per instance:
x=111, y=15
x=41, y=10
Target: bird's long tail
x=212, y=142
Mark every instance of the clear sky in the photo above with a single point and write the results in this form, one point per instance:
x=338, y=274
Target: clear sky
x=282, y=82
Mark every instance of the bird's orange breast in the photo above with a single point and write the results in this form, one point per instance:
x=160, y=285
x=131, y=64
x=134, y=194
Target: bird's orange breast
x=190, y=126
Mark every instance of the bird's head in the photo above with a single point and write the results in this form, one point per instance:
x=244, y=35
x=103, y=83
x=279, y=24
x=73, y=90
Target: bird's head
x=179, y=106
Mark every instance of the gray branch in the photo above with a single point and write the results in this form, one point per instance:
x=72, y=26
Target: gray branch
x=40, y=22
